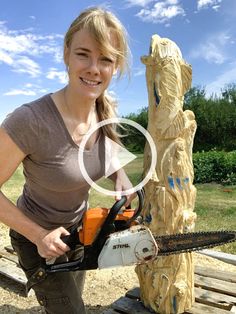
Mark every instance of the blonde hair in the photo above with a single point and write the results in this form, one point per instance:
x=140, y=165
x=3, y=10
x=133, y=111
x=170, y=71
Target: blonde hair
x=101, y=23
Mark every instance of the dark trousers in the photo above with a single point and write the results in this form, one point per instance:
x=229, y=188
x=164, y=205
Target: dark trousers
x=59, y=293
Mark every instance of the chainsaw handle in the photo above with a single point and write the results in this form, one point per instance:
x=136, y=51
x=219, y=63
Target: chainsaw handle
x=118, y=205
x=73, y=239
x=114, y=211
x=138, y=210
x=91, y=253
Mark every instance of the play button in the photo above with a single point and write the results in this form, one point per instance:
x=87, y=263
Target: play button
x=116, y=157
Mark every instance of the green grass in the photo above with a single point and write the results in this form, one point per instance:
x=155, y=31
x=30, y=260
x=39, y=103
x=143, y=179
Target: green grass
x=215, y=204
x=13, y=187
x=216, y=210
x=134, y=170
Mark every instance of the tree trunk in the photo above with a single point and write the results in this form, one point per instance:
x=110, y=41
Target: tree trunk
x=167, y=284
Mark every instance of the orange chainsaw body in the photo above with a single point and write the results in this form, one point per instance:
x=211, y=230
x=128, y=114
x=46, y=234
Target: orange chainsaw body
x=93, y=220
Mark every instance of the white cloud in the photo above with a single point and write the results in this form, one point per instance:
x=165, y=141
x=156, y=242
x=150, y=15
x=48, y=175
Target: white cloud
x=5, y=58
x=216, y=7
x=26, y=65
x=172, y=1
x=221, y=81
x=141, y=3
x=53, y=73
x=214, y=4
x=161, y=12
x=214, y=49
x=28, y=89
x=210, y=52
x=15, y=92
x=21, y=49
x=144, y=3
x=15, y=44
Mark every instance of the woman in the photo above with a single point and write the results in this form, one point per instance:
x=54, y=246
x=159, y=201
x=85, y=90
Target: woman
x=45, y=135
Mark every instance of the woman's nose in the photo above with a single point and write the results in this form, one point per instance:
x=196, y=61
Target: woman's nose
x=94, y=66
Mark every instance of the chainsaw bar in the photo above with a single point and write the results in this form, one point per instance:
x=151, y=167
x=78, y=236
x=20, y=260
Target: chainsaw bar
x=195, y=241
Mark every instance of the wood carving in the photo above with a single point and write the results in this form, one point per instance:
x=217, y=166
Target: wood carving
x=167, y=284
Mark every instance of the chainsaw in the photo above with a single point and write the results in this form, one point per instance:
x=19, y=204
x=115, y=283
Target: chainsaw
x=116, y=237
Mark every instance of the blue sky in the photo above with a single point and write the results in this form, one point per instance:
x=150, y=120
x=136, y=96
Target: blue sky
x=31, y=41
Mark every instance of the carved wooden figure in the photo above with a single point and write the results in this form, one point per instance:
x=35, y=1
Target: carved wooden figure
x=167, y=284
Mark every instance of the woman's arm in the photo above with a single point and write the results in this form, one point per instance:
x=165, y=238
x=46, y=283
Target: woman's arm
x=48, y=242
x=122, y=183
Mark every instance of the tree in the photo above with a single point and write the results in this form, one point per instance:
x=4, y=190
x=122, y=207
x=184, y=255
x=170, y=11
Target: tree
x=229, y=93
x=133, y=139
x=216, y=118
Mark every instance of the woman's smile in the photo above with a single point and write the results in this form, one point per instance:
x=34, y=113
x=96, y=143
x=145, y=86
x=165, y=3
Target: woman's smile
x=90, y=82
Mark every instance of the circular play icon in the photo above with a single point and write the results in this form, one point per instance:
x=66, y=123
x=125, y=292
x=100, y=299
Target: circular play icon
x=117, y=156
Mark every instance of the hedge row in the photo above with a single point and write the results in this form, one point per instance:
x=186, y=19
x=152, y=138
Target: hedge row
x=215, y=166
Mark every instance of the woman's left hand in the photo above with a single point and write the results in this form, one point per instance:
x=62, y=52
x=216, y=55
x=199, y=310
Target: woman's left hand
x=122, y=183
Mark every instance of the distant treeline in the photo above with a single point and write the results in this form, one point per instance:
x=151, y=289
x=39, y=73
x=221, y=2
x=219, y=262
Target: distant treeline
x=215, y=166
x=215, y=117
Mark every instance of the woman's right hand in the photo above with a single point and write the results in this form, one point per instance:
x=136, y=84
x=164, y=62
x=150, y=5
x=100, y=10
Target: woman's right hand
x=50, y=244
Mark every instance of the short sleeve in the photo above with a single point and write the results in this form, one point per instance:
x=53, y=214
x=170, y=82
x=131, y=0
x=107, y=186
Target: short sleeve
x=22, y=126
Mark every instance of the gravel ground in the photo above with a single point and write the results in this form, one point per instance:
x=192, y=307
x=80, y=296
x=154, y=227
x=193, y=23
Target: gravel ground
x=102, y=287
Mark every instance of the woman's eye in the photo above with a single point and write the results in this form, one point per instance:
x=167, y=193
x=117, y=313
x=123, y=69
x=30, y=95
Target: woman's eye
x=108, y=60
x=81, y=55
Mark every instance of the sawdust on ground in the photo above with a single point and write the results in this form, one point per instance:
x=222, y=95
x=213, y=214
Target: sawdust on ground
x=102, y=287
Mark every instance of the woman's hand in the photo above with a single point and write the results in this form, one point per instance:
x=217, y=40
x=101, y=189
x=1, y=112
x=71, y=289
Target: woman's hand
x=50, y=244
x=122, y=183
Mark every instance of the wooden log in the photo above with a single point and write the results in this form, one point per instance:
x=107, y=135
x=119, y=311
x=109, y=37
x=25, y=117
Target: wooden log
x=167, y=283
x=215, y=299
x=206, y=302
x=130, y=306
x=211, y=294
x=11, y=257
x=109, y=311
x=224, y=257
x=10, y=249
x=212, y=273
x=9, y=269
x=199, y=308
x=204, y=296
x=134, y=293
x=216, y=285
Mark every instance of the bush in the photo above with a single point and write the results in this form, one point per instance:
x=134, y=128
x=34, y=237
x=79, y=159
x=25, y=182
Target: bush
x=214, y=166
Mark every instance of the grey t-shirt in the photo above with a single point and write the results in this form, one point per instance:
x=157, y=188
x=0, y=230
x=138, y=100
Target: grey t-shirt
x=55, y=192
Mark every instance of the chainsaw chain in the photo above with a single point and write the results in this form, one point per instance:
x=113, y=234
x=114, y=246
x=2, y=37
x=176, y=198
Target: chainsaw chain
x=180, y=239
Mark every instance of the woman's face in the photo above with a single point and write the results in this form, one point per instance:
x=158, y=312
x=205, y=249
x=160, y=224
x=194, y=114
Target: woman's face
x=90, y=72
